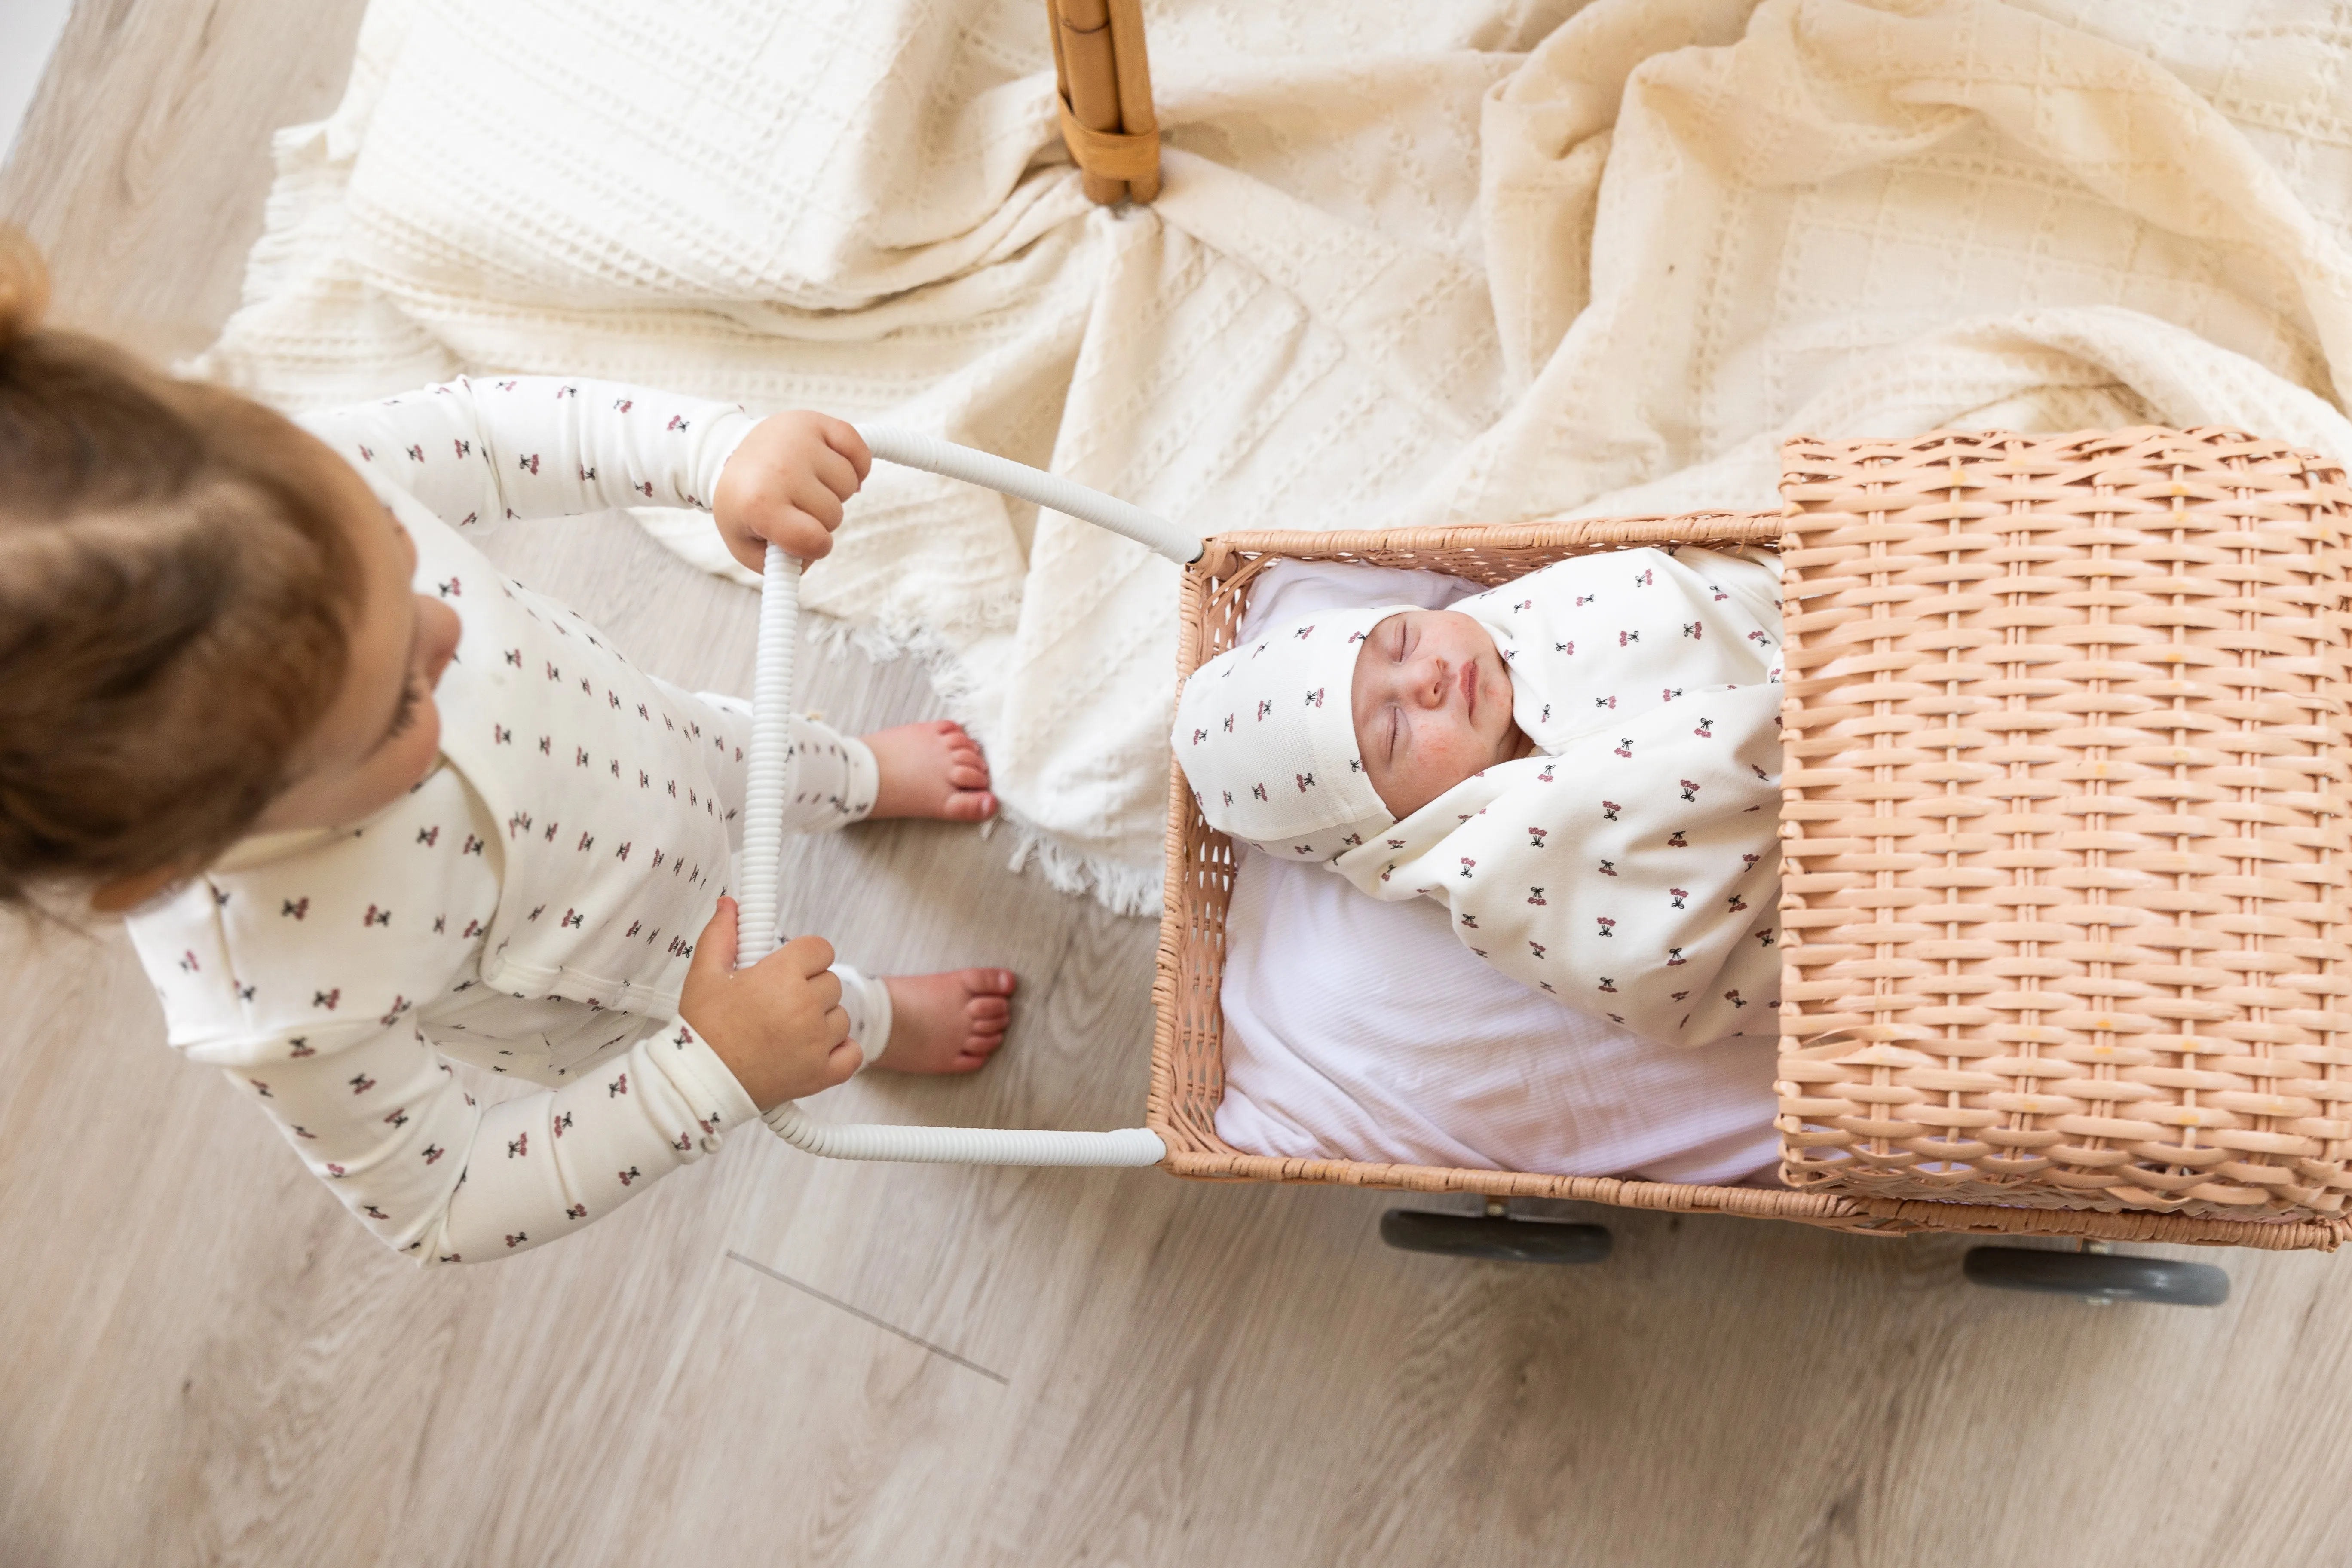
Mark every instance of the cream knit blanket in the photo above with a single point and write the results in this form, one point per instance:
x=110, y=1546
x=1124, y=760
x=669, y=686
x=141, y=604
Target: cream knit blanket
x=1413, y=263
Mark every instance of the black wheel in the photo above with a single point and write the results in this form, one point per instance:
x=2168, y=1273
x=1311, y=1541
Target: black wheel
x=1497, y=1236
x=2100, y=1276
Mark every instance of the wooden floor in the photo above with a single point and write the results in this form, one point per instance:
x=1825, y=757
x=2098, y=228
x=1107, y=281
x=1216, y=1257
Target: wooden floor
x=769, y=1360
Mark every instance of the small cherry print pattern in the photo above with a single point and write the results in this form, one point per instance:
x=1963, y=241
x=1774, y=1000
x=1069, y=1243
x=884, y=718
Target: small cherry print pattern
x=1671, y=812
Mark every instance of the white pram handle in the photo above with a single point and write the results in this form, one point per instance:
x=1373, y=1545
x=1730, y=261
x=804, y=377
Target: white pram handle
x=770, y=784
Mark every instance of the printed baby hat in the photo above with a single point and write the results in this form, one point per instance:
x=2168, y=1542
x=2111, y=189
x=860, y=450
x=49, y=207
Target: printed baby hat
x=1267, y=742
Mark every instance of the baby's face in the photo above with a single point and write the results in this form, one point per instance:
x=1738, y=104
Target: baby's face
x=1432, y=703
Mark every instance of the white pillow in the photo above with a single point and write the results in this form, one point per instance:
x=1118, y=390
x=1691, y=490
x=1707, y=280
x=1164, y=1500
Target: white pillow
x=1361, y=1030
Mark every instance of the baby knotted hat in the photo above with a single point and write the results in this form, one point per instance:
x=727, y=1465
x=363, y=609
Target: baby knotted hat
x=1266, y=740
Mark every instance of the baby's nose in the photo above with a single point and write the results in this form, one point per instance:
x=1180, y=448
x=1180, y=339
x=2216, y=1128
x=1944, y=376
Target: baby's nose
x=1440, y=682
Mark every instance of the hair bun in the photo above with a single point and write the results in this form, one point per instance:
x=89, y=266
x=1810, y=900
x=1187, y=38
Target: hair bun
x=24, y=284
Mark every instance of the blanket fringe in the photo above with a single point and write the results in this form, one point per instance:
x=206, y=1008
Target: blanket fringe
x=1121, y=888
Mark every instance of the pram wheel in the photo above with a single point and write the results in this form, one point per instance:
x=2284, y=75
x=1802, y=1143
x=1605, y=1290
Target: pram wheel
x=1497, y=1236
x=2099, y=1276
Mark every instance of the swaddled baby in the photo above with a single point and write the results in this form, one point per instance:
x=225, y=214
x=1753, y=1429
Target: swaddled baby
x=1582, y=765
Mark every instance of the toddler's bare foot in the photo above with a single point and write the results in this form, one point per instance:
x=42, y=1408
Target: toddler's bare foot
x=947, y=1023
x=931, y=769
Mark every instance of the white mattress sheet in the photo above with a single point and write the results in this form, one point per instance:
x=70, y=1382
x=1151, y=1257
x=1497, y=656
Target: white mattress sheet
x=1361, y=1030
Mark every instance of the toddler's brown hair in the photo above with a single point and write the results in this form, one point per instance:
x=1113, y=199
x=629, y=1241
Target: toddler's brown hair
x=176, y=595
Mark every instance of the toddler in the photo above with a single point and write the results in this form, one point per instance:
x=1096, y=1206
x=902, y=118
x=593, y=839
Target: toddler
x=1582, y=765
x=369, y=804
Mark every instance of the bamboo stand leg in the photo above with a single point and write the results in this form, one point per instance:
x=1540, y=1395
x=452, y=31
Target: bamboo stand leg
x=1082, y=51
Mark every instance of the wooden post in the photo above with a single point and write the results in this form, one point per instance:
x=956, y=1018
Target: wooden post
x=1104, y=78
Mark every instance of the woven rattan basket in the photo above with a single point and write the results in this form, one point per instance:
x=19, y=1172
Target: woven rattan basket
x=1188, y=1050
x=2065, y=834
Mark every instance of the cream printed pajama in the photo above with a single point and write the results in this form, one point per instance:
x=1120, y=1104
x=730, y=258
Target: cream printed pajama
x=528, y=908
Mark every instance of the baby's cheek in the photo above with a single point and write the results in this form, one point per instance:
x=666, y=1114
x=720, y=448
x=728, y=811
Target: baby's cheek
x=1442, y=762
x=1467, y=754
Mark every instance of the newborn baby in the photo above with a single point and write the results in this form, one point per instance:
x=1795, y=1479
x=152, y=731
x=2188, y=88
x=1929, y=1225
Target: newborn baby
x=1582, y=765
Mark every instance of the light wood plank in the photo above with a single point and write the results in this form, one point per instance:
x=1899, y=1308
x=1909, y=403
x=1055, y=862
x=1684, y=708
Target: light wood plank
x=144, y=158
x=210, y=1363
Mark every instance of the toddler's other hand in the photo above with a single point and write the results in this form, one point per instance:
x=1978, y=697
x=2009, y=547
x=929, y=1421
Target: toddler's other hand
x=779, y=1025
x=785, y=485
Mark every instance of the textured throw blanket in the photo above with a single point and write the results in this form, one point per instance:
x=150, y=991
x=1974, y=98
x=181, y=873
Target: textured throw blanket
x=1414, y=264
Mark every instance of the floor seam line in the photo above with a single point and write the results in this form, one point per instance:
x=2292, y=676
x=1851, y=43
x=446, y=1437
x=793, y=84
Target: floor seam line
x=863, y=1315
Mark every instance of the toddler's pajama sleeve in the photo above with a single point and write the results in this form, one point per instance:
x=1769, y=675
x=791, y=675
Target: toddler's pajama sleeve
x=377, y=1115
x=477, y=452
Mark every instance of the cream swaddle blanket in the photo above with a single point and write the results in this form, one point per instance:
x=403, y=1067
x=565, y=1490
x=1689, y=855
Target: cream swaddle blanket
x=1630, y=866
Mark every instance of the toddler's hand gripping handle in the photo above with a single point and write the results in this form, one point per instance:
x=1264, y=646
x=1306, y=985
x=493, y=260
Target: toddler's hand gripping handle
x=770, y=783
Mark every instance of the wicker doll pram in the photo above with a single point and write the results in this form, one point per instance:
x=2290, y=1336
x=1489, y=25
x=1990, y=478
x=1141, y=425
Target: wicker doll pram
x=1902, y=1110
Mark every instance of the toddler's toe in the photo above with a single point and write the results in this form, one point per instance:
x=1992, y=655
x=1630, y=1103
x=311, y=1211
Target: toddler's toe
x=975, y=1056
x=969, y=805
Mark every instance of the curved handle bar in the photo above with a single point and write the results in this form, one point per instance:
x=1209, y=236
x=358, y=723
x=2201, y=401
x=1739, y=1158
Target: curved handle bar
x=986, y=469
x=769, y=776
x=769, y=785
